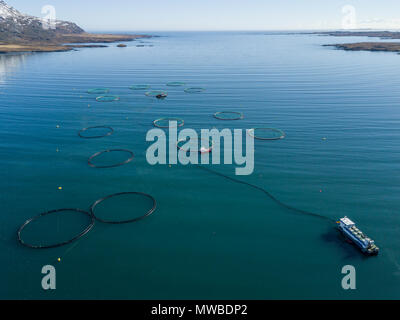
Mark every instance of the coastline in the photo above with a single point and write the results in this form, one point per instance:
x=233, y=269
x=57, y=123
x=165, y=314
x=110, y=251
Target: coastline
x=67, y=42
x=366, y=46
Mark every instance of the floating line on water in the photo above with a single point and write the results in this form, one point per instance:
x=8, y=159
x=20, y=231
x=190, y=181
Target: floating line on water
x=165, y=122
x=232, y=115
x=276, y=200
x=149, y=212
x=195, y=90
x=109, y=133
x=175, y=84
x=80, y=235
x=98, y=91
x=107, y=98
x=90, y=163
x=278, y=134
x=140, y=87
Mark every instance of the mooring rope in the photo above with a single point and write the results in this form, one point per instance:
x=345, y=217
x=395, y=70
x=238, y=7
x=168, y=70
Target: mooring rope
x=276, y=200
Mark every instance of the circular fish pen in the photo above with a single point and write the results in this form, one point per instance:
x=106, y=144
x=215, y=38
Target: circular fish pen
x=140, y=87
x=195, y=90
x=118, y=164
x=165, y=122
x=176, y=84
x=229, y=115
x=107, y=98
x=108, y=132
x=156, y=94
x=267, y=133
x=203, y=145
x=56, y=245
x=98, y=91
x=151, y=208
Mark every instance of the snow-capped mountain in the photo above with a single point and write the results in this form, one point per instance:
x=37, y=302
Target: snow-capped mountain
x=15, y=26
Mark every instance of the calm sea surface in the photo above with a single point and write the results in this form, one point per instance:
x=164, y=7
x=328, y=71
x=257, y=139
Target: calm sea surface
x=209, y=238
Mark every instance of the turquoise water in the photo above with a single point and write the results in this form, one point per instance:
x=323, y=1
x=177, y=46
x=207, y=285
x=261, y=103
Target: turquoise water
x=209, y=238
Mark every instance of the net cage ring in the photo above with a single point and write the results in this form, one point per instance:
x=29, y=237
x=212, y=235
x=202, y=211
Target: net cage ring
x=98, y=91
x=180, y=122
x=235, y=115
x=195, y=90
x=148, y=213
x=90, y=163
x=156, y=94
x=176, y=84
x=107, y=98
x=281, y=134
x=202, y=149
x=140, y=87
x=109, y=133
x=57, y=245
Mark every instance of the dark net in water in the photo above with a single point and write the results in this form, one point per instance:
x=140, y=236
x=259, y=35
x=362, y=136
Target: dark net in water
x=229, y=115
x=195, y=90
x=168, y=123
x=140, y=87
x=267, y=133
x=98, y=91
x=124, y=207
x=55, y=228
x=95, y=132
x=176, y=84
x=110, y=158
x=107, y=98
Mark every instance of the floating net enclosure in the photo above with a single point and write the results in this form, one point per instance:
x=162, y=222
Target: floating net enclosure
x=267, y=133
x=198, y=145
x=195, y=90
x=107, y=98
x=229, y=115
x=95, y=132
x=55, y=228
x=98, y=91
x=156, y=93
x=176, y=84
x=110, y=158
x=124, y=207
x=140, y=87
x=165, y=122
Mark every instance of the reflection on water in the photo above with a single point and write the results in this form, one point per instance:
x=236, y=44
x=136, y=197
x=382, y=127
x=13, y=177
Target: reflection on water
x=9, y=63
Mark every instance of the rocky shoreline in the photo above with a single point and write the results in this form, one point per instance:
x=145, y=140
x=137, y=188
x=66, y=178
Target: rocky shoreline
x=366, y=46
x=67, y=42
x=25, y=33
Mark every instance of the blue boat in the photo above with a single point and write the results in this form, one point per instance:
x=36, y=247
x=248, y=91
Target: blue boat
x=350, y=231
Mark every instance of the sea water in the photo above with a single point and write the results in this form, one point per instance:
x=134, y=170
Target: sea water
x=209, y=237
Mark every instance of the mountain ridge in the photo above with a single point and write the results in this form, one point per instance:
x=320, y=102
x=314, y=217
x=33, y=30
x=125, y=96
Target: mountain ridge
x=22, y=32
x=18, y=27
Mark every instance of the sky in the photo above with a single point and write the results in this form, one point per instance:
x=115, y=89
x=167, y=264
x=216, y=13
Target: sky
x=197, y=15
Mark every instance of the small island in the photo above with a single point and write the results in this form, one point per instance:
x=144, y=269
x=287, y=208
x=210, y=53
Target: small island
x=23, y=33
x=366, y=46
